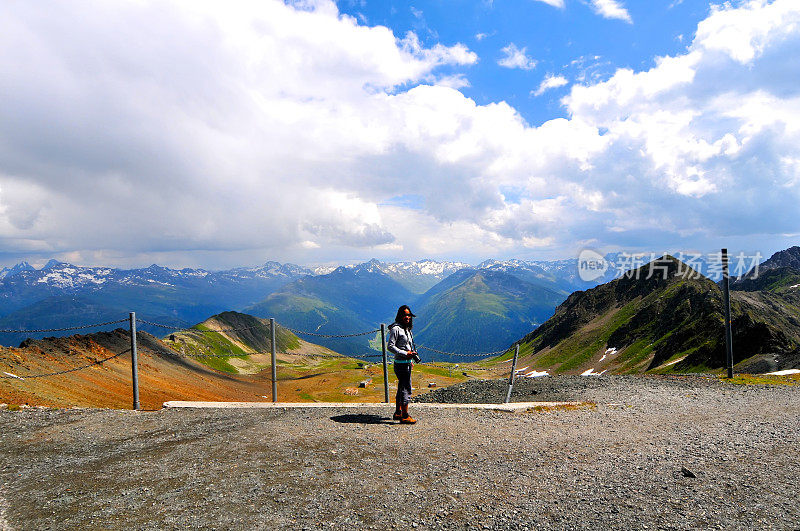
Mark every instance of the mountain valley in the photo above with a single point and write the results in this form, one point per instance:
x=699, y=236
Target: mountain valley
x=640, y=322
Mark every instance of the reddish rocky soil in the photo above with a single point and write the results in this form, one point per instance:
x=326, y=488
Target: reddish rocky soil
x=162, y=375
x=166, y=375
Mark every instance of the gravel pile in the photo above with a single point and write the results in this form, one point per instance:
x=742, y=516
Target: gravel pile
x=562, y=388
x=626, y=462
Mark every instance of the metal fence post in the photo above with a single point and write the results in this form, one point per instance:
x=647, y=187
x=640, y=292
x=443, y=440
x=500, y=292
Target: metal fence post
x=134, y=362
x=274, y=361
x=513, y=371
x=727, y=302
x=385, y=364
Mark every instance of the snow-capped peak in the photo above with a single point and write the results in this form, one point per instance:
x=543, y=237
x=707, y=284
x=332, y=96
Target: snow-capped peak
x=52, y=264
x=425, y=266
x=19, y=268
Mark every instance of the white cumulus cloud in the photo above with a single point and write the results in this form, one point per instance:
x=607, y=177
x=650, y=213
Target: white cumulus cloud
x=611, y=9
x=550, y=81
x=191, y=131
x=194, y=126
x=516, y=58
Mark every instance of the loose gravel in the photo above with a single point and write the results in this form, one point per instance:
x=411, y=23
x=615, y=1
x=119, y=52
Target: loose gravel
x=567, y=388
x=624, y=459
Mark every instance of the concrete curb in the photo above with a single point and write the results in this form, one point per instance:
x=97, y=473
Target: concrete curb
x=513, y=406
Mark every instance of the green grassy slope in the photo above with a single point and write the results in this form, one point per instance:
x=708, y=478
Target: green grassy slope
x=231, y=335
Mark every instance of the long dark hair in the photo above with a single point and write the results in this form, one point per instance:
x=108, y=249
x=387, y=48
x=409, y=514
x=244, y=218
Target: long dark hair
x=401, y=312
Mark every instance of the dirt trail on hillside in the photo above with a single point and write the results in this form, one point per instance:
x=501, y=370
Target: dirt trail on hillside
x=624, y=463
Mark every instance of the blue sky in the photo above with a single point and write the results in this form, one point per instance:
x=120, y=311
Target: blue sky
x=203, y=134
x=574, y=42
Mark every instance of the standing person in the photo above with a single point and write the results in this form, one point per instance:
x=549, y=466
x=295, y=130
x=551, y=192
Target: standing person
x=401, y=344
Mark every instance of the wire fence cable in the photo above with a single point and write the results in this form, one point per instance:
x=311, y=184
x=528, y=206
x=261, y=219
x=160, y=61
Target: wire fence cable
x=230, y=354
x=65, y=329
x=176, y=354
x=96, y=362
x=477, y=355
x=303, y=332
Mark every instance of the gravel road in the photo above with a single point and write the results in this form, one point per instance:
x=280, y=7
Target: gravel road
x=614, y=464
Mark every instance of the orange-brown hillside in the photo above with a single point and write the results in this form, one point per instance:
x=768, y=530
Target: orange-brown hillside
x=162, y=375
x=166, y=375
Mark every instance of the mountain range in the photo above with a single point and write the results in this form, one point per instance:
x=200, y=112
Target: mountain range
x=348, y=300
x=476, y=310
x=667, y=322
x=345, y=300
x=470, y=311
x=61, y=295
x=632, y=324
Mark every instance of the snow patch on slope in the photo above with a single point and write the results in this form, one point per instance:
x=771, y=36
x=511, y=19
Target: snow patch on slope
x=590, y=372
x=537, y=374
x=609, y=352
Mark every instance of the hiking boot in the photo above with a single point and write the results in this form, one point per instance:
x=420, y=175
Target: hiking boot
x=405, y=418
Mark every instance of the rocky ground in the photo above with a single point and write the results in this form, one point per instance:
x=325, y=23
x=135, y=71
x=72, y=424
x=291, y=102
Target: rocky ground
x=667, y=453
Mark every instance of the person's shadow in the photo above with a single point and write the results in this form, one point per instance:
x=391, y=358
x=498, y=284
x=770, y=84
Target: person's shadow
x=361, y=418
